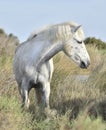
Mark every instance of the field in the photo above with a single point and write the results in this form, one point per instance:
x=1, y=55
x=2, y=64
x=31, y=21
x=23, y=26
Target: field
x=80, y=105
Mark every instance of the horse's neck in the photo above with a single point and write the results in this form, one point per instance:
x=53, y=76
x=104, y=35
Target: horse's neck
x=51, y=50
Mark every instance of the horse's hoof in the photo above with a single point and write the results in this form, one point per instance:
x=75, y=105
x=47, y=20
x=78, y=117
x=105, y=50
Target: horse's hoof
x=50, y=112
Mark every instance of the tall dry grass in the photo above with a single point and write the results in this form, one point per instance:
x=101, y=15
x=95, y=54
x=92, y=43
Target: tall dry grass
x=80, y=104
x=72, y=93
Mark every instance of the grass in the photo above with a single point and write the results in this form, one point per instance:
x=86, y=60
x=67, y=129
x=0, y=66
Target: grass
x=11, y=115
x=86, y=123
x=80, y=105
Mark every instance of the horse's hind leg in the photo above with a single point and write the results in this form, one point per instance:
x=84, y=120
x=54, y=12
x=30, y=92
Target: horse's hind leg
x=24, y=91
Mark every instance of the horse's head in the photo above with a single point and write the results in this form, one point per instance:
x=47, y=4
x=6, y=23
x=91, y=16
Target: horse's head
x=75, y=48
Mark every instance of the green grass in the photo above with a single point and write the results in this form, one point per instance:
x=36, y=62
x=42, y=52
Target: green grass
x=12, y=117
x=80, y=105
x=86, y=123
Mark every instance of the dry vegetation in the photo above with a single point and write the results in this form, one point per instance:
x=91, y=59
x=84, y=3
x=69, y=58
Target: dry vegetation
x=81, y=105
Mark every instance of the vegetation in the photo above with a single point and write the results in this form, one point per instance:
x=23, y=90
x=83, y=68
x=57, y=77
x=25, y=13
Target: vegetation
x=95, y=42
x=80, y=105
x=2, y=31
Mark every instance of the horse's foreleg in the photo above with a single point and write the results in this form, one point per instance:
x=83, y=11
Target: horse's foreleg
x=43, y=93
x=46, y=94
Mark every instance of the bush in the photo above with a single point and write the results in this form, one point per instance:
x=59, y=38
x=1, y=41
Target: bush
x=96, y=42
x=2, y=31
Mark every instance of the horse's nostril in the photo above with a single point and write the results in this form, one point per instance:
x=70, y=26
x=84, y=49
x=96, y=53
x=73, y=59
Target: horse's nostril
x=83, y=65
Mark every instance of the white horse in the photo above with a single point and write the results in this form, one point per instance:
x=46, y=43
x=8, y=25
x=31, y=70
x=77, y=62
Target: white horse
x=33, y=64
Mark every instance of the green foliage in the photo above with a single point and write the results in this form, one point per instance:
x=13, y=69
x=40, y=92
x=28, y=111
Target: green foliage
x=11, y=35
x=11, y=113
x=95, y=42
x=2, y=31
x=13, y=117
x=86, y=123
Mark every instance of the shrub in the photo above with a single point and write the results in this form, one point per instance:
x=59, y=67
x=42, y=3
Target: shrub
x=2, y=31
x=95, y=42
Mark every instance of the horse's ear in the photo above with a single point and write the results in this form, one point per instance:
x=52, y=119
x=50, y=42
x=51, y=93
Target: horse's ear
x=74, y=30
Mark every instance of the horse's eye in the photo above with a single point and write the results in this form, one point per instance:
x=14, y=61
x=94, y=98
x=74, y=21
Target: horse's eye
x=79, y=42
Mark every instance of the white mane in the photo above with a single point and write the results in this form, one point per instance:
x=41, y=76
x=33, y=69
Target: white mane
x=56, y=32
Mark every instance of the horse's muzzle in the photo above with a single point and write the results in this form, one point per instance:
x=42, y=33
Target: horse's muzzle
x=84, y=65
